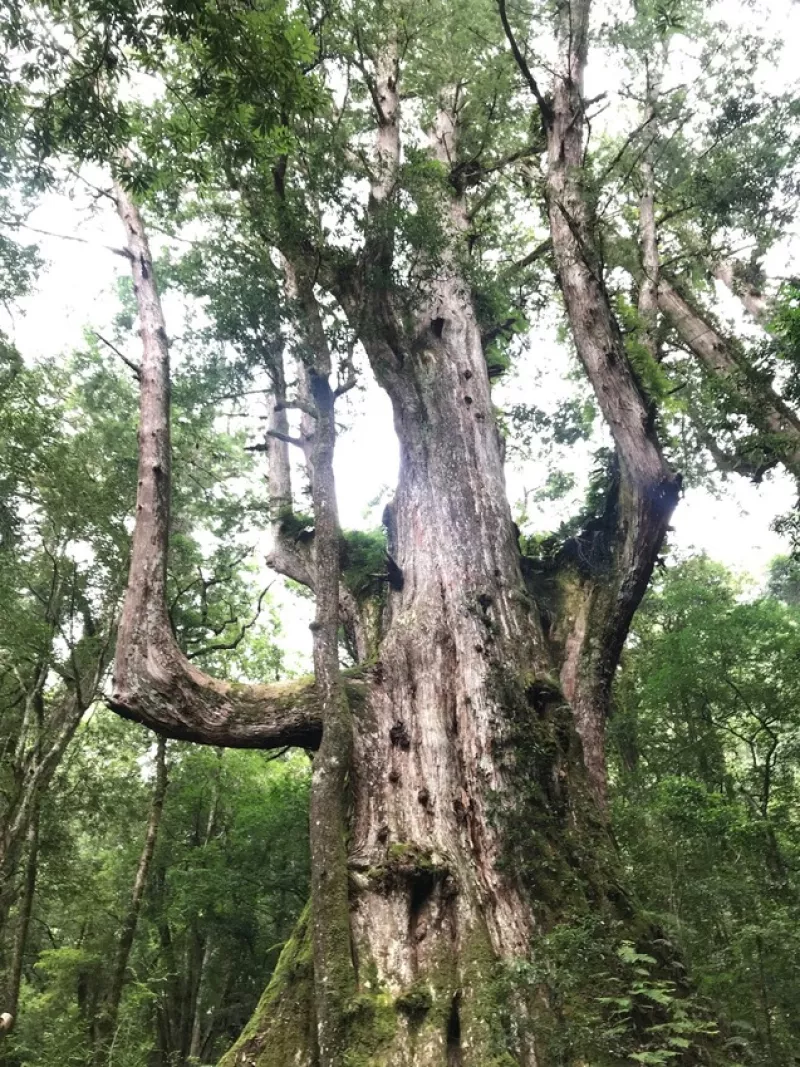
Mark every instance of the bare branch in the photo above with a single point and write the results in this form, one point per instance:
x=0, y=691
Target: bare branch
x=128, y=362
x=545, y=107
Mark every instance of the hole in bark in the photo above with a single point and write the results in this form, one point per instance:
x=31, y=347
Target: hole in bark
x=467, y=399
x=437, y=327
x=454, y=1033
x=422, y=887
x=467, y=374
x=398, y=735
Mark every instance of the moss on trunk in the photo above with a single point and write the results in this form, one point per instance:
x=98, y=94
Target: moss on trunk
x=282, y=1030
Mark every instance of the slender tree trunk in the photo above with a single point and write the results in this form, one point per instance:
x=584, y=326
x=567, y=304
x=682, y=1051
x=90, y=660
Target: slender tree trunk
x=197, y=1035
x=110, y=1010
x=24, y=912
x=648, y=231
x=42, y=763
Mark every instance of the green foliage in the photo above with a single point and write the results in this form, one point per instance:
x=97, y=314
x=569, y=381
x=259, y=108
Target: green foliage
x=705, y=747
x=230, y=877
x=584, y=539
x=362, y=557
x=610, y=1000
x=651, y=377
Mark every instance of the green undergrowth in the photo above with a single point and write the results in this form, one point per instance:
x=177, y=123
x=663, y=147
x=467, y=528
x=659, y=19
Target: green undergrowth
x=603, y=985
x=603, y=999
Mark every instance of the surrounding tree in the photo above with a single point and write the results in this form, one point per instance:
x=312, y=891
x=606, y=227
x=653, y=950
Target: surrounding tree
x=705, y=744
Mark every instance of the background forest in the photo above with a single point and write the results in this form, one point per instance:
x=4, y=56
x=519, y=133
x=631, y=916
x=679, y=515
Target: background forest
x=147, y=887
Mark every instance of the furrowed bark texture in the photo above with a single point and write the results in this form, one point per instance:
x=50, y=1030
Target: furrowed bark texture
x=603, y=604
x=334, y=971
x=435, y=903
x=463, y=824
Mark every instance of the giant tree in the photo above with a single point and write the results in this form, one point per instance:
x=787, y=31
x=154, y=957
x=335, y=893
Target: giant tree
x=375, y=157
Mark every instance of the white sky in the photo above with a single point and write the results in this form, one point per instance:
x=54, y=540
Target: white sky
x=77, y=290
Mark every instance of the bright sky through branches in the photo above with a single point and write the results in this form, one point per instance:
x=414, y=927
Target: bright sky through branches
x=77, y=290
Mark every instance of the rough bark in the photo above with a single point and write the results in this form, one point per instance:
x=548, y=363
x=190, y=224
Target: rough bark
x=334, y=972
x=596, y=608
x=107, y=1022
x=463, y=825
x=433, y=908
x=154, y=683
x=723, y=360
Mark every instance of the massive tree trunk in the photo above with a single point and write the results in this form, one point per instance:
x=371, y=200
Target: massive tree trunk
x=453, y=822
x=460, y=688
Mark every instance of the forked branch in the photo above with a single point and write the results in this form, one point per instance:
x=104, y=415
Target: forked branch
x=723, y=360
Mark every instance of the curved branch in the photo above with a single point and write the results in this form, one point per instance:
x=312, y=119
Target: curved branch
x=522, y=64
x=154, y=683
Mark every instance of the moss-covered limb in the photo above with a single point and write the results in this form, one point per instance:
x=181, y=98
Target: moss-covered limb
x=405, y=864
x=282, y=1030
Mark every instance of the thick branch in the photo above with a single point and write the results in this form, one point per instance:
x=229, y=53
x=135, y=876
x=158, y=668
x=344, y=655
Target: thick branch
x=723, y=360
x=154, y=683
x=647, y=491
x=753, y=300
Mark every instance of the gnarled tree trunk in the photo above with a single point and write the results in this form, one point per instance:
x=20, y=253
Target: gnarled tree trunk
x=453, y=820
